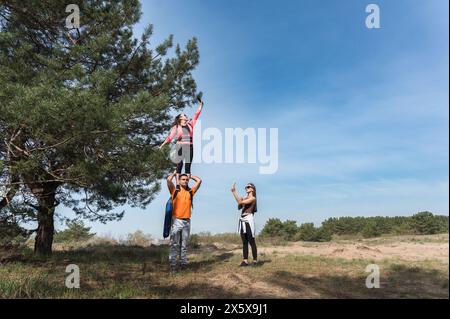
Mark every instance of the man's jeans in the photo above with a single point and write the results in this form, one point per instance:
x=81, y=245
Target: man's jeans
x=179, y=236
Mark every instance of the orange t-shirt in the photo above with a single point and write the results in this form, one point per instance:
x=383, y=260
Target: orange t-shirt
x=182, y=203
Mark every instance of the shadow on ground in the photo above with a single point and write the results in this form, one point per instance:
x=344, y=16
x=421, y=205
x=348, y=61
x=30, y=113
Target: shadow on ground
x=93, y=254
x=138, y=272
x=398, y=282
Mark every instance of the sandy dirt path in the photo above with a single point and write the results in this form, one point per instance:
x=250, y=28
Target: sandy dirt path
x=399, y=248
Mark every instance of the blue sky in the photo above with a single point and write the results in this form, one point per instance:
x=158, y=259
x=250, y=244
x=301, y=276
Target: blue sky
x=362, y=114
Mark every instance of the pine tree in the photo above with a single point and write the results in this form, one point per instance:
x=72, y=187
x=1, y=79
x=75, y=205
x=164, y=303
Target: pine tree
x=75, y=231
x=274, y=227
x=425, y=223
x=290, y=229
x=307, y=232
x=82, y=109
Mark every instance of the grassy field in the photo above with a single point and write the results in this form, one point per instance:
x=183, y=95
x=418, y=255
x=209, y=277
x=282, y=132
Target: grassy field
x=290, y=270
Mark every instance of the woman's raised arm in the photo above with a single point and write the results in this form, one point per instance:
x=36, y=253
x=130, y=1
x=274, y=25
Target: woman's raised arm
x=197, y=113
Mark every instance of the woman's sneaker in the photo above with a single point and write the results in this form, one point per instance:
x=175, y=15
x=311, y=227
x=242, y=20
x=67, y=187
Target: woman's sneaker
x=243, y=264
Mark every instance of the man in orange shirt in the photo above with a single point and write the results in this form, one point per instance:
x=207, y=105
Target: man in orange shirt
x=181, y=217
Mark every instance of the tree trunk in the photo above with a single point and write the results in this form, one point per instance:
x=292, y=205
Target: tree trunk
x=45, y=213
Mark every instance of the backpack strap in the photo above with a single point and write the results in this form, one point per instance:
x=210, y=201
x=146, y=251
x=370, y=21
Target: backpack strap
x=175, y=194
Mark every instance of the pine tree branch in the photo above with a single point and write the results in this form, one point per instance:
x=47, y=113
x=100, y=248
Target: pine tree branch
x=51, y=146
x=10, y=194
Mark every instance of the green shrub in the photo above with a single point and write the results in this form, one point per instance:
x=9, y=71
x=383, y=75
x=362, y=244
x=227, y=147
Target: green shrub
x=442, y=221
x=421, y=223
x=194, y=241
x=11, y=234
x=12, y=217
x=276, y=228
x=323, y=234
x=425, y=223
x=403, y=229
x=76, y=231
x=273, y=228
x=290, y=229
x=371, y=229
x=306, y=232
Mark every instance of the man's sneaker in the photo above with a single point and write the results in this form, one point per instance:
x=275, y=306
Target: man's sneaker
x=243, y=264
x=183, y=267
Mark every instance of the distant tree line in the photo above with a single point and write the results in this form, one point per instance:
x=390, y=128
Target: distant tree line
x=423, y=223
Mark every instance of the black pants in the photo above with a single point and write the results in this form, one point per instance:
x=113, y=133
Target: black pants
x=247, y=238
x=185, y=154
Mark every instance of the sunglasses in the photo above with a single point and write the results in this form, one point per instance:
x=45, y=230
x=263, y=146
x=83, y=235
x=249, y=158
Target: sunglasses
x=246, y=187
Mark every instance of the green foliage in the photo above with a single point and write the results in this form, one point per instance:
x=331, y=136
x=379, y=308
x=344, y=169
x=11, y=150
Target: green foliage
x=82, y=111
x=323, y=234
x=290, y=229
x=276, y=228
x=306, y=232
x=273, y=228
x=421, y=223
x=75, y=231
x=425, y=223
x=371, y=229
x=443, y=223
x=403, y=229
x=12, y=234
x=194, y=241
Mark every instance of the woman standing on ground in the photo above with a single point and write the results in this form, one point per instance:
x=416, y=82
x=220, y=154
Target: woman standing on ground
x=246, y=222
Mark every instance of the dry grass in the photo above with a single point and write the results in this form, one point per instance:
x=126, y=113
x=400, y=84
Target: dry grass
x=111, y=271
